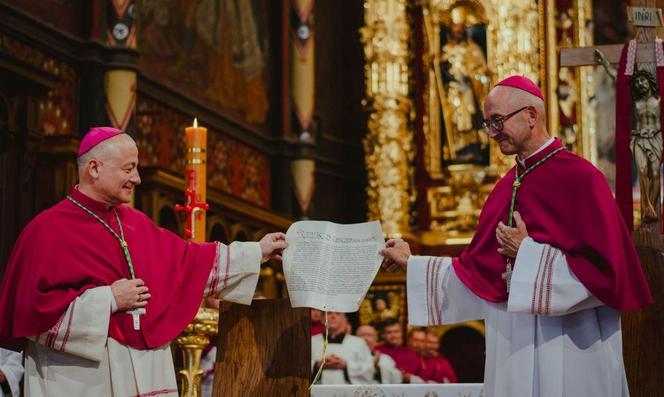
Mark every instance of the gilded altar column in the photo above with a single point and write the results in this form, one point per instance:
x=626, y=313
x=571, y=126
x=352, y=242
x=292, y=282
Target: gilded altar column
x=388, y=146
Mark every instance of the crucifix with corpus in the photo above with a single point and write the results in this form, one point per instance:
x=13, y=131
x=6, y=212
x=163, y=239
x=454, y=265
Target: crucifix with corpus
x=639, y=88
x=638, y=108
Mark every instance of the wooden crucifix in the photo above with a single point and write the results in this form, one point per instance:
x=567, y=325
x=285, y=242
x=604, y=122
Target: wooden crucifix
x=643, y=331
x=646, y=20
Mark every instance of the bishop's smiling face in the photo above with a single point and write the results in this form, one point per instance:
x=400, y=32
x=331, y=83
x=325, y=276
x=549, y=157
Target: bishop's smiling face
x=117, y=172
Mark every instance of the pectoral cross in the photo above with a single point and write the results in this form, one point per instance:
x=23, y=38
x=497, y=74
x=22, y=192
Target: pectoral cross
x=507, y=275
x=135, y=313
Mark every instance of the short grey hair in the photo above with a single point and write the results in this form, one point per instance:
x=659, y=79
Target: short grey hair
x=97, y=151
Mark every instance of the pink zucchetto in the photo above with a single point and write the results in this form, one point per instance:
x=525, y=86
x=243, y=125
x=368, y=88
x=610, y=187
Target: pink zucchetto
x=522, y=83
x=95, y=136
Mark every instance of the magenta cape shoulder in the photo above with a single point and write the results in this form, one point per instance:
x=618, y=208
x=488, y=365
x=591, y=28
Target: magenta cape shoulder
x=564, y=202
x=64, y=251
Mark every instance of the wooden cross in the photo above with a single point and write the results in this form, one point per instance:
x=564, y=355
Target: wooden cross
x=646, y=19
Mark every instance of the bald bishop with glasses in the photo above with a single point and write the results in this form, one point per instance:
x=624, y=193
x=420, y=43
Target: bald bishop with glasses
x=549, y=269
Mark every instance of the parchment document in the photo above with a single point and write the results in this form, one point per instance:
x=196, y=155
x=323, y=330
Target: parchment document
x=329, y=266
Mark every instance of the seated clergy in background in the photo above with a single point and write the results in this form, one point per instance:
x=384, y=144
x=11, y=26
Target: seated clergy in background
x=430, y=369
x=416, y=340
x=98, y=291
x=553, y=325
x=347, y=360
x=406, y=360
x=385, y=369
x=435, y=368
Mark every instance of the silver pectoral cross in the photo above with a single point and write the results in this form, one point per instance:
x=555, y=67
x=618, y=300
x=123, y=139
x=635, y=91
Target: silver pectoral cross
x=135, y=313
x=507, y=275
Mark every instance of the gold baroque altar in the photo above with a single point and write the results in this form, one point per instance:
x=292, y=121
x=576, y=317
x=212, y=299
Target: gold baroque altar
x=463, y=47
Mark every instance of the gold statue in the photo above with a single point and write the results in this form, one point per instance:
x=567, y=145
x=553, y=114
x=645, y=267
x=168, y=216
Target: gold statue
x=466, y=79
x=646, y=142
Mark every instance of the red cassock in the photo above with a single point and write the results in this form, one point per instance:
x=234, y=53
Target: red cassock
x=65, y=251
x=404, y=358
x=564, y=202
x=437, y=369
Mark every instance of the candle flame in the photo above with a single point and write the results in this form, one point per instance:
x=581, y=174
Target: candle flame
x=195, y=122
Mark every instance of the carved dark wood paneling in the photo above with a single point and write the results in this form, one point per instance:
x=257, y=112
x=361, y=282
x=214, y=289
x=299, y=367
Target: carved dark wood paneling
x=18, y=155
x=63, y=14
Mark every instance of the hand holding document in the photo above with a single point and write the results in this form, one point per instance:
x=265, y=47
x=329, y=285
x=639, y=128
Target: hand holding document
x=329, y=266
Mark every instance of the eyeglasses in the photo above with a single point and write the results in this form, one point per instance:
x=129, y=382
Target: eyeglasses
x=497, y=123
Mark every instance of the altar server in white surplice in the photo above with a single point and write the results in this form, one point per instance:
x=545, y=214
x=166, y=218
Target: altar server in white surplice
x=550, y=286
x=385, y=369
x=348, y=359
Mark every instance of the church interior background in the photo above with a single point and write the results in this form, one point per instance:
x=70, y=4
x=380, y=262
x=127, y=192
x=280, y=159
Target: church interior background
x=342, y=111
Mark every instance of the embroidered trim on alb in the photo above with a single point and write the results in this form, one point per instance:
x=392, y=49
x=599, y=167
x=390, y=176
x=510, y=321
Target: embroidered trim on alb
x=214, y=274
x=437, y=290
x=430, y=288
x=67, y=332
x=157, y=392
x=539, y=271
x=549, y=283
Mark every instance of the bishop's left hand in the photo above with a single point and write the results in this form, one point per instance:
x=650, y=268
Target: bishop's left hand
x=510, y=238
x=272, y=245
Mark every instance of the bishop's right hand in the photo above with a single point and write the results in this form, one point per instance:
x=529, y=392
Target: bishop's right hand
x=395, y=255
x=130, y=294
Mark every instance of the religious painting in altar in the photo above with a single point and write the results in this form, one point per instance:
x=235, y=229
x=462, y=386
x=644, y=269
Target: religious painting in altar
x=215, y=51
x=467, y=45
x=462, y=81
x=382, y=302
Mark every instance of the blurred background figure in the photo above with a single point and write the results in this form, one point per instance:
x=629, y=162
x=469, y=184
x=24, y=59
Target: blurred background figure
x=435, y=368
x=384, y=366
x=464, y=348
x=348, y=359
x=317, y=326
x=406, y=360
